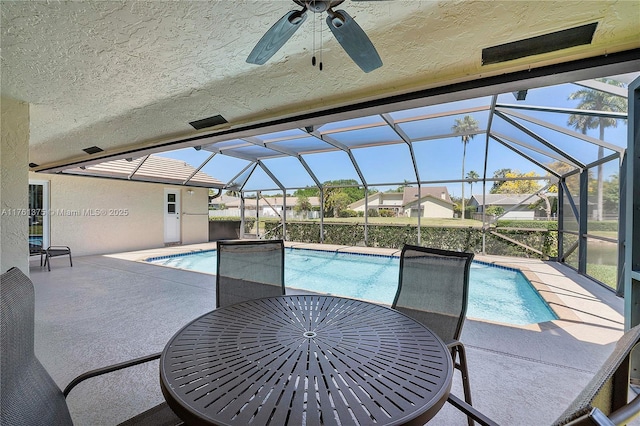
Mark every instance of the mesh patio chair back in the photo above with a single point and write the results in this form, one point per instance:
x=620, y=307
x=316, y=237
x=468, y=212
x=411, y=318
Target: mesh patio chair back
x=603, y=402
x=249, y=270
x=29, y=396
x=608, y=390
x=433, y=288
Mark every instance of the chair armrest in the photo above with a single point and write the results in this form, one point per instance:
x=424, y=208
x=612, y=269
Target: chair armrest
x=470, y=411
x=626, y=413
x=108, y=369
x=59, y=248
x=452, y=344
x=595, y=417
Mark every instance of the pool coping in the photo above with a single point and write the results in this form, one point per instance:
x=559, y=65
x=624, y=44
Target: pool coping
x=564, y=313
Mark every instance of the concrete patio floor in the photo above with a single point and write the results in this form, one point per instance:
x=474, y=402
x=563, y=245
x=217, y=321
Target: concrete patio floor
x=110, y=308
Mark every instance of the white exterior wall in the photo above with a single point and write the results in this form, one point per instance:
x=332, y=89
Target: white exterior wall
x=134, y=218
x=14, y=185
x=519, y=214
x=432, y=208
x=391, y=200
x=435, y=209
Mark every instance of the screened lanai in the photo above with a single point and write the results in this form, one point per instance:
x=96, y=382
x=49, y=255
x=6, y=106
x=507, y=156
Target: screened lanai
x=551, y=135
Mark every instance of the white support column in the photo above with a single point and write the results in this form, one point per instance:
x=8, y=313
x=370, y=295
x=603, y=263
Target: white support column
x=14, y=185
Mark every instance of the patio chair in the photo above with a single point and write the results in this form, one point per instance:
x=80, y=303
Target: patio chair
x=36, y=250
x=28, y=394
x=249, y=269
x=54, y=251
x=433, y=288
x=605, y=399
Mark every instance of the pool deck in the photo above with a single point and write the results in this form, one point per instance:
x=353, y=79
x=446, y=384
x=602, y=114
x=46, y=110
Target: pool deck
x=109, y=308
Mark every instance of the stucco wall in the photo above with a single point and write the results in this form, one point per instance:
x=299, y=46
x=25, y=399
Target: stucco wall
x=14, y=200
x=97, y=216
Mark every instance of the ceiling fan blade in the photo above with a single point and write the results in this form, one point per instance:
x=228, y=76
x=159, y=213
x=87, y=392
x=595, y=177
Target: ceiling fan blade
x=276, y=37
x=354, y=41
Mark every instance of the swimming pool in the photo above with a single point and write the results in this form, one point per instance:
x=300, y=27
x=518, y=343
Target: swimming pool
x=495, y=293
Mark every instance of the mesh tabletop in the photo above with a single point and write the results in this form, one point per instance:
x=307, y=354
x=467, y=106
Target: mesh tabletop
x=296, y=360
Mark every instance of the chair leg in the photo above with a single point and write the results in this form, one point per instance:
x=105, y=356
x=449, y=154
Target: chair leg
x=70, y=261
x=47, y=262
x=459, y=352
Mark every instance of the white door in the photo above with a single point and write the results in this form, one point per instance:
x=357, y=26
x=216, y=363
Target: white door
x=171, y=216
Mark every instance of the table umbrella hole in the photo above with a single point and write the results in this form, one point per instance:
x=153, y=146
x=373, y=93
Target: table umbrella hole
x=309, y=334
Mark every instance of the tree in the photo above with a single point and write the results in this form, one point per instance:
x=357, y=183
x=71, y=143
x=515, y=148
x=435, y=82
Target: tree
x=519, y=186
x=337, y=201
x=573, y=181
x=303, y=205
x=496, y=184
x=400, y=188
x=464, y=127
x=354, y=193
x=597, y=100
x=472, y=175
x=611, y=195
x=309, y=191
x=526, y=187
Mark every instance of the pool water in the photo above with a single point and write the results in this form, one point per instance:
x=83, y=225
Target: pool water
x=495, y=293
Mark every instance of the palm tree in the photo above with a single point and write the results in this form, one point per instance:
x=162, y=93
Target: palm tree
x=464, y=127
x=471, y=176
x=596, y=100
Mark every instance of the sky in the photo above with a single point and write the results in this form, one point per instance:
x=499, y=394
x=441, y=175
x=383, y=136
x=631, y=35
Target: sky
x=437, y=160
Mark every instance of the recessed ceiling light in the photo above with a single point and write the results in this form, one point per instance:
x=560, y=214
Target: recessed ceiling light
x=92, y=150
x=208, y=122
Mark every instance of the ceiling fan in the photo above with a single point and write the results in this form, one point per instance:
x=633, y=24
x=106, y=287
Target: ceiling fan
x=349, y=34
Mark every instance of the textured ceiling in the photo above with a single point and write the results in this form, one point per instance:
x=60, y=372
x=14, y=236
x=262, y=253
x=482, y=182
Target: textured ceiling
x=133, y=74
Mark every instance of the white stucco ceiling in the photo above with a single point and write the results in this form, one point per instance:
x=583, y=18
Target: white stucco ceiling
x=129, y=74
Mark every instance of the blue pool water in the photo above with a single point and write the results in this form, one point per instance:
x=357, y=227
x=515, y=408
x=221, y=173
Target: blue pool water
x=37, y=240
x=495, y=294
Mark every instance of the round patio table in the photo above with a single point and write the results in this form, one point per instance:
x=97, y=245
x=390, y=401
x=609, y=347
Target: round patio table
x=296, y=360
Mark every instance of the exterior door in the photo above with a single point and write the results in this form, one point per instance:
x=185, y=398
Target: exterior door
x=171, y=216
x=39, y=213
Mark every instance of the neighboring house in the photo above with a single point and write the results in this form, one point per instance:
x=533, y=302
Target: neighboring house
x=272, y=206
x=433, y=202
x=223, y=201
x=516, y=202
x=96, y=216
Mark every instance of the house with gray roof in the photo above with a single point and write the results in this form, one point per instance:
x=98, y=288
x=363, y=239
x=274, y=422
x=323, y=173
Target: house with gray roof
x=518, y=204
x=433, y=202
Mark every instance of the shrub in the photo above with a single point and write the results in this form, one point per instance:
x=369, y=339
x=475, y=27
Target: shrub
x=395, y=236
x=386, y=213
x=348, y=213
x=513, y=223
x=494, y=210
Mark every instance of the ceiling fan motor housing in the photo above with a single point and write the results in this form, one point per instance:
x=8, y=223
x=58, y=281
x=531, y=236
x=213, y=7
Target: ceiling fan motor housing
x=318, y=6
